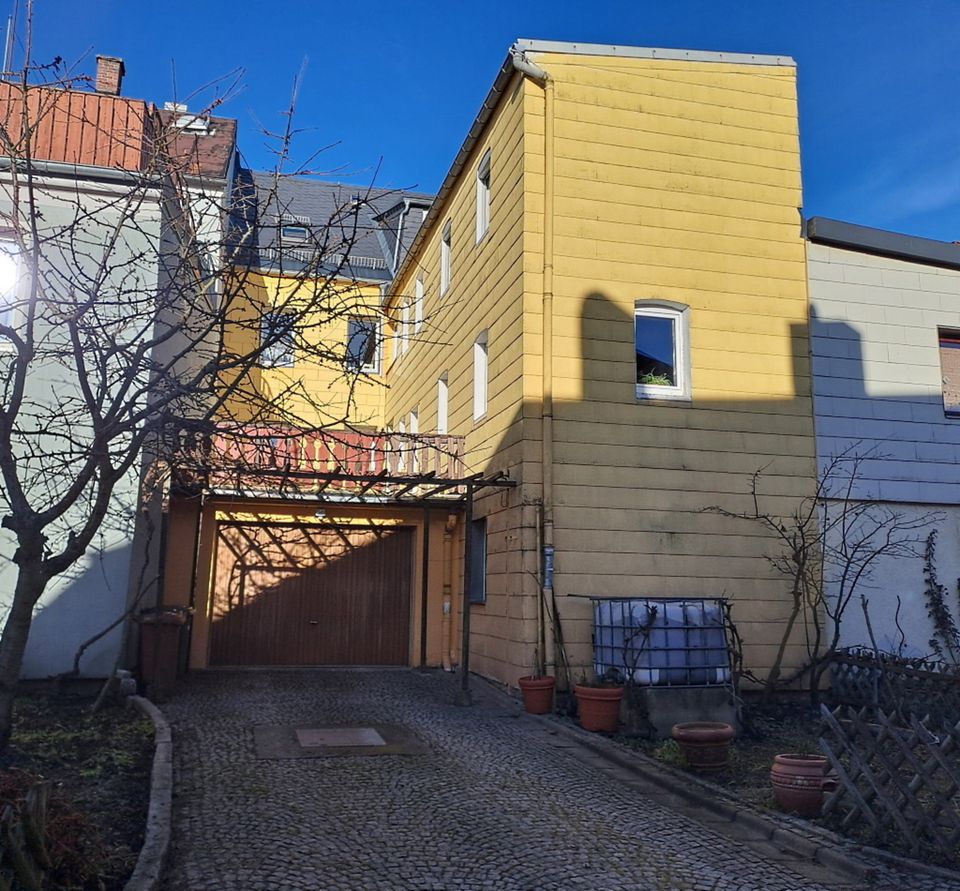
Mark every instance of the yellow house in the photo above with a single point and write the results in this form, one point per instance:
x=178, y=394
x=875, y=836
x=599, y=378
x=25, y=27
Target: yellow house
x=607, y=301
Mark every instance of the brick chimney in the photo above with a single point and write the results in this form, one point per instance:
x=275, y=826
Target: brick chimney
x=110, y=72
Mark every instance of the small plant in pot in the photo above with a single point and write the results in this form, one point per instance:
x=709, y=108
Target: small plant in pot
x=598, y=703
x=537, y=688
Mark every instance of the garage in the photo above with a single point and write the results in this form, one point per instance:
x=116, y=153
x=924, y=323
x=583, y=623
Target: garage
x=311, y=594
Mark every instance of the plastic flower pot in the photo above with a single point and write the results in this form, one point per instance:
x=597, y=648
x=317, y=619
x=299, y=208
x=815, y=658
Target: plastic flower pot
x=537, y=694
x=599, y=707
x=798, y=783
x=705, y=744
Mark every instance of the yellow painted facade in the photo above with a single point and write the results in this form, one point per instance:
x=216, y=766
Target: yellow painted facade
x=674, y=181
x=318, y=392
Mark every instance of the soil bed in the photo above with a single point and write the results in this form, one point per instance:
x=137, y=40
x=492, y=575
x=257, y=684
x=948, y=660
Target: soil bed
x=100, y=766
x=781, y=724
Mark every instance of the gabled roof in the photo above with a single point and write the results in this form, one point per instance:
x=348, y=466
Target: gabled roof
x=203, y=154
x=356, y=226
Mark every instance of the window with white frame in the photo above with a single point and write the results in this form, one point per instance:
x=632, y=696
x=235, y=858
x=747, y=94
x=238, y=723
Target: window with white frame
x=950, y=371
x=403, y=329
x=446, y=247
x=363, y=344
x=483, y=196
x=661, y=337
x=480, y=374
x=9, y=278
x=277, y=339
x=418, y=307
x=443, y=404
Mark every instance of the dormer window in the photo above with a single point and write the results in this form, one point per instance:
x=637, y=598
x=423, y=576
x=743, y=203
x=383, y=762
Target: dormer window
x=294, y=228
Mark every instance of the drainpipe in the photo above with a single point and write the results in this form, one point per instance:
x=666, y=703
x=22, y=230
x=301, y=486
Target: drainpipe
x=446, y=626
x=396, y=253
x=540, y=77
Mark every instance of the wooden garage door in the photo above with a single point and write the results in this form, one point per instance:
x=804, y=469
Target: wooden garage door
x=311, y=595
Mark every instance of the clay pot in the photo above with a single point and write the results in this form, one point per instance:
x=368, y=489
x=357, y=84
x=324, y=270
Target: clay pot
x=798, y=783
x=599, y=707
x=537, y=694
x=705, y=744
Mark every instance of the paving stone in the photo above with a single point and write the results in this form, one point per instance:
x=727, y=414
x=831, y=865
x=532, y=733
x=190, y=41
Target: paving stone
x=495, y=804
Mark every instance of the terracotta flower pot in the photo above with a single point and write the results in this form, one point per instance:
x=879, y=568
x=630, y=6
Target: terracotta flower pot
x=537, y=694
x=798, y=783
x=705, y=744
x=599, y=707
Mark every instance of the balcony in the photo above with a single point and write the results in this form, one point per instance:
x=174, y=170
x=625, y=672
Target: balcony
x=336, y=464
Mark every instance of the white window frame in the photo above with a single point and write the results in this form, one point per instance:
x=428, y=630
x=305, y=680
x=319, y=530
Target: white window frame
x=483, y=196
x=374, y=366
x=679, y=314
x=418, y=306
x=443, y=404
x=9, y=298
x=481, y=375
x=271, y=357
x=446, y=257
x=403, y=329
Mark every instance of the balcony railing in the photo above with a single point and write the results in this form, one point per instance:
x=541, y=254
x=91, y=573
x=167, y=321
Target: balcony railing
x=373, y=464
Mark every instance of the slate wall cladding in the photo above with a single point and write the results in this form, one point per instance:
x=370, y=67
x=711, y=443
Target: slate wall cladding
x=877, y=374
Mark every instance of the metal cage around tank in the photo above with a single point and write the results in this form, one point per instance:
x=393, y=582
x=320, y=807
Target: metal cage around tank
x=663, y=642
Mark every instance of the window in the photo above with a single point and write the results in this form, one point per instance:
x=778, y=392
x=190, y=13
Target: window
x=446, y=246
x=478, y=565
x=403, y=329
x=9, y=277
x=483, y=196
x=418, y=307
x=277, y=339
x=442, y=404
x=415, y=420
x=950, y=372
x=294, y=233
x=363, y=345
x=480, y=363
x=660, y=338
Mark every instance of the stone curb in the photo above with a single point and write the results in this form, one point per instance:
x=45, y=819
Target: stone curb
x=156, y=839
x=835, y=852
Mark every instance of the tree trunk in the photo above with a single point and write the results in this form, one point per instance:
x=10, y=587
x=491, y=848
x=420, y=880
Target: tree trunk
x=13, y=642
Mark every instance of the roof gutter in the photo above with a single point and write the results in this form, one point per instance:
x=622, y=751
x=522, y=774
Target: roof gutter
x=508, y=71
x=86, y=172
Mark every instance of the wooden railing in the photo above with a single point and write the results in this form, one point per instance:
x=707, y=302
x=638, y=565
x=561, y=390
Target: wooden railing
x=263, y=459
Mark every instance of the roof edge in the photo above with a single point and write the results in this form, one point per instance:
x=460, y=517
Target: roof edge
x=645, y=52
x=912, y=248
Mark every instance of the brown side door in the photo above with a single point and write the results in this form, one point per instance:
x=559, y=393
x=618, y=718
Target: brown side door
x=311, y=595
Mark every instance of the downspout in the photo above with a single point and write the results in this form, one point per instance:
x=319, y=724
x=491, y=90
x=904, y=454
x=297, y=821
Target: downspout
x=447, y=619
x=396, y=253
x=540, y=77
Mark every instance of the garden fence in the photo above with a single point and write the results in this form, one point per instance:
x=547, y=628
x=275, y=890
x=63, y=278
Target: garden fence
x=922, y=687
x=900, y=781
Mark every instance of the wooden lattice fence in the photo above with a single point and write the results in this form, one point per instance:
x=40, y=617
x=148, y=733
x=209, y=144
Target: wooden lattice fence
x=897, y=780
x=24, y=857
x=928, y=689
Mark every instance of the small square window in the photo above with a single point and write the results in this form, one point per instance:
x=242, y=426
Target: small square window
x=277, y=339
x=478, y=565
x=660, y=341
x=363, y=345
x=294, y=233
x=950, y=372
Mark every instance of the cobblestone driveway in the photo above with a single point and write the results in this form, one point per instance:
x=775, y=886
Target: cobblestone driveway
x=494, y=805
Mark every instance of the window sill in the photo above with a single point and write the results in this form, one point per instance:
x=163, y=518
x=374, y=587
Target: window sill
x=663, y=399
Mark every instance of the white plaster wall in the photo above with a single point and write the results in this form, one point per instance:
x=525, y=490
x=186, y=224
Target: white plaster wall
x=93, y=593
x=876, y=370
x=902, y=578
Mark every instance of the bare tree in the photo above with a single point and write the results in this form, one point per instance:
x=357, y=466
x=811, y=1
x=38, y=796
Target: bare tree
x=829, y=548
x=133, y=326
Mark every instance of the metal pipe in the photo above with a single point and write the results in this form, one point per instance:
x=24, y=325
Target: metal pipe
x=447, y=654
x=463, y=693
x=424, y=586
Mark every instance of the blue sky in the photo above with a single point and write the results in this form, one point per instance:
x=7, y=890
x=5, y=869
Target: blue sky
x=393, y=86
